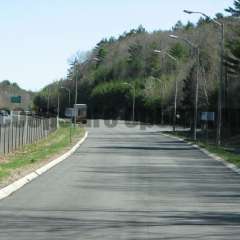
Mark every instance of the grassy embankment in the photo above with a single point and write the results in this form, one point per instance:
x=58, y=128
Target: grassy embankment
x=44, y=150
x=229, y=150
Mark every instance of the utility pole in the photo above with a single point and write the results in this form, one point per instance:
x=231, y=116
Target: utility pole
x=220, y=91
x=196, y=96
x=175, y=105
x=58, y=108
x=76, y=96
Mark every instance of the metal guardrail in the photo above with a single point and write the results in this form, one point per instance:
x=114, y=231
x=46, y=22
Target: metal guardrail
x=22, y=130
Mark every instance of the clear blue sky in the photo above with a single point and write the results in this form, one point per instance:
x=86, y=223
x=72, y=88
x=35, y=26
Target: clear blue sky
x=39, y=36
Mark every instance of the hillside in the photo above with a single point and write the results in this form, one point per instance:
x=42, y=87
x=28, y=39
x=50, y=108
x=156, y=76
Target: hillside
x=8, y=89
x=117, y=66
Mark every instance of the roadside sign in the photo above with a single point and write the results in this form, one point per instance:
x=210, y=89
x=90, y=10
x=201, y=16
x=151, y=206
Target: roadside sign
x=208, y=116
x=16, y=99
x=69, y=112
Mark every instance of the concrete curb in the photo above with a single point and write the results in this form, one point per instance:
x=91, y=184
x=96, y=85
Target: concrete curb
x=231, y=166
x=6, y=191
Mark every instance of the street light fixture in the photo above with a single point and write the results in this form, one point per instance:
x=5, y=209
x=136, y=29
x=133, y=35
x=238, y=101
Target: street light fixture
x=173, y=36
x=191, y=44
x=196, y=50
x=176, y=86
x=166, y=53
x=221, y=80
x=204, y=15
x=134, y=98
x=187, y=11
x=96, y=59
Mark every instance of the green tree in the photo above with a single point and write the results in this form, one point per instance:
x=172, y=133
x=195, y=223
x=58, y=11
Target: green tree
x=5, y=83
x=219, y=16
x=235, y=10
x=135, y=60
x=233, y=59
x=203, y=21
x=234, y=47
x=232, y=65
x=189, y=26
x=40, y=103
x=188, y=92
x=110, y=99
x=179, y=51
x=178, y=26
x=141, y=29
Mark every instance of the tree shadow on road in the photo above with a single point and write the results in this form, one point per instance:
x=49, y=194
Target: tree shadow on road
x=148, y=148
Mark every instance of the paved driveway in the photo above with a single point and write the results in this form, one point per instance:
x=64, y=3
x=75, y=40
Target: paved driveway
x=127, y=183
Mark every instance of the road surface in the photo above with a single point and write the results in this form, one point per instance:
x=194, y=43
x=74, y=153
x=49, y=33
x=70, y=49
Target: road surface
x=127, y=183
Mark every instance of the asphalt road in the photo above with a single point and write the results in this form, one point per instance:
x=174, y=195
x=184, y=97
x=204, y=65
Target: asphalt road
x=127, y=183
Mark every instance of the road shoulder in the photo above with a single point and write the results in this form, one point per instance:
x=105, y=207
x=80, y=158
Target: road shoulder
x=231, y=166
x=8, y=190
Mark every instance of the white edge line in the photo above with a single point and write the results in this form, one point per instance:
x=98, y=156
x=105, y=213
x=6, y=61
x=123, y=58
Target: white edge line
x=6, y=191
x=231, y=166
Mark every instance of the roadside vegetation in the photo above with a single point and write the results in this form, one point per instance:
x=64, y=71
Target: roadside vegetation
x=229, y=150
x=32, y=156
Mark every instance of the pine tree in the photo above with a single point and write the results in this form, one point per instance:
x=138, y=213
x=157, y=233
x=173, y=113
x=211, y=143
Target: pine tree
x=178, y=26
x=233, y=60
x=232, y=65
x=235, y=11
x=203, y=21
x=188, y=91
x=219, y=16
x=135, y=60
x=189, y=26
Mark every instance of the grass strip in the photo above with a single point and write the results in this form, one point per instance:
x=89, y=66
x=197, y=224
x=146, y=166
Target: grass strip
x=55, y=144
x=225, y=152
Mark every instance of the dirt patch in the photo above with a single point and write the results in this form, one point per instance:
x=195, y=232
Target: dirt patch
x=3, y=159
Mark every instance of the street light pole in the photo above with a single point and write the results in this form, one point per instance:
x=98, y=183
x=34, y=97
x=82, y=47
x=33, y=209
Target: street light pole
x=175, y=105
x=196, y=95
x=176, y=87
x=197, y=52
x=76, y=96
x=58, y=109
x=221, y=80
x=220, y=93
